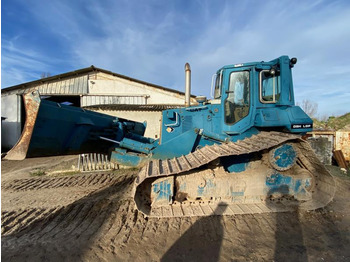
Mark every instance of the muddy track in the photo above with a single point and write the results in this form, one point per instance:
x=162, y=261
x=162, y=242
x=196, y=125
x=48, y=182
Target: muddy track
x=87, y=180
x=322, y=193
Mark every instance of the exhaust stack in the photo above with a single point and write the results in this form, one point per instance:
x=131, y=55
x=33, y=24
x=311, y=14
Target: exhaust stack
x=187, y=85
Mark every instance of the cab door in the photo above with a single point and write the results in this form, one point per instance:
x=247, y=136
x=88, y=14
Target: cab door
x=237, y=100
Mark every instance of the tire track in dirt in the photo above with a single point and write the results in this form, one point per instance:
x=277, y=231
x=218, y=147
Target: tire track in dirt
x=17, y=220
x=85, y=216
x=72, y=181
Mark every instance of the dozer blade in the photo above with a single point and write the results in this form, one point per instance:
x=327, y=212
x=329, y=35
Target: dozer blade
x=20, y=149
x=53, y=129
x=281, y=174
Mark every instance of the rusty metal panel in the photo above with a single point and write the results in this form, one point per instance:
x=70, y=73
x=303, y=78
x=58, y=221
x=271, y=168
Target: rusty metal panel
x=323, y=148
x=330, y=135
x=339, y=157
x=342, y=142
x=19, y=151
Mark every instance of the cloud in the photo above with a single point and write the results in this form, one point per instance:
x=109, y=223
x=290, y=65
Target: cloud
x=152, y=40
x=20, y=63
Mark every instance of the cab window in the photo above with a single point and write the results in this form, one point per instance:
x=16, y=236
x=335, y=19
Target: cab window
x=237, y=101
x=217, y=90
x=270, y=86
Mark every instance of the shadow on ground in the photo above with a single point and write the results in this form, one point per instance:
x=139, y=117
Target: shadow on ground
x=192, y=246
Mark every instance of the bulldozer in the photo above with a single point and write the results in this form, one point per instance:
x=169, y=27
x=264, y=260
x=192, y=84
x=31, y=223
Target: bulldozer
x=240, y=152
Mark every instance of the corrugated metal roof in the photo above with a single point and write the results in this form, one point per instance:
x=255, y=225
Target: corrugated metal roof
x=70, y=86
x=132, y=107
x=76, y=74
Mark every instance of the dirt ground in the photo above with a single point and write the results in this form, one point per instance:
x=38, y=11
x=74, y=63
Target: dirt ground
x=91, y=217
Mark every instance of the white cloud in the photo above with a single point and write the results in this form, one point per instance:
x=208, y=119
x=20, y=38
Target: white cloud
x=153, y=40
x=20, y=64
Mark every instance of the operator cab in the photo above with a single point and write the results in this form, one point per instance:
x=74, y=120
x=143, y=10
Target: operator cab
x=257, y=94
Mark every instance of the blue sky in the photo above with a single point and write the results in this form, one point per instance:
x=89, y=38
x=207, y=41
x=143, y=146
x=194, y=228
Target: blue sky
x=152, y=40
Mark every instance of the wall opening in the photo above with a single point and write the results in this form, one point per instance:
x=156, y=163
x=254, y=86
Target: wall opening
x=66, y=100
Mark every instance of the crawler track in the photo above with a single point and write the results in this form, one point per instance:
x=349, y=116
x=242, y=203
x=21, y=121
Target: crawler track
x=322, y=193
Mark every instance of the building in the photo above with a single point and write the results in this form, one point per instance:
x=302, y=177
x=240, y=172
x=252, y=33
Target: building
x=326, y=142
x=94, y=89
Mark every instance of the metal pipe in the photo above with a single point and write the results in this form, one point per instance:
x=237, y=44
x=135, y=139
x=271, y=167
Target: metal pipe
x=109, y=140
x=187, y=84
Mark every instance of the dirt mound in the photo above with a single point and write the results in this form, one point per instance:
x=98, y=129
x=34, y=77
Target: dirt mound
x=334, y=123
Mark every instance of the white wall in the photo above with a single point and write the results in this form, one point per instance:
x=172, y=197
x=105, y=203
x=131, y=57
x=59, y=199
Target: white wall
x=11, y=126
x=125, y=87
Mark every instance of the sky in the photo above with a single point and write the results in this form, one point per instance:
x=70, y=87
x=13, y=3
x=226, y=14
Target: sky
x=152, y=40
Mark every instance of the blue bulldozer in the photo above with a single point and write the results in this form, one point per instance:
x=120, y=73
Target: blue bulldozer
x=242, y=150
